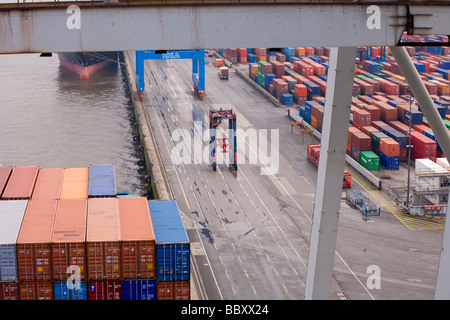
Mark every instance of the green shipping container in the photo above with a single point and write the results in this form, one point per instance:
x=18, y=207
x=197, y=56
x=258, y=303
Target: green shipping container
x=447, y=123
x=369, y=160
x=376, y=136
x=261, y=63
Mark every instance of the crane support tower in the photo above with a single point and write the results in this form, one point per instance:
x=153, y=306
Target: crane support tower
x=198, y=67
x=215, y=119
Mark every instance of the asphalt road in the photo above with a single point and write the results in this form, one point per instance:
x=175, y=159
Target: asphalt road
x=249, y=234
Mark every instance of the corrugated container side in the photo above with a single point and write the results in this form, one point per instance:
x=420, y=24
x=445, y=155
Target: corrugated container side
x=48, y=184
x=173, y=290
x=75, y=183
x=9, y=291
x=103, y=239
x=62, y=292
x=5, y=172
x=172, y=243
x=102, y=181
x=105, y=290
x=36, y=291
x=142, y=289
x=33, y=243
x=21, y=183
x=69, y=238
x=137, y=239
x=11, y=217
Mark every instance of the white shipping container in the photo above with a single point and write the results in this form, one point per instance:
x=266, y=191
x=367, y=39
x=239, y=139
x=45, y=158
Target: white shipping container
x=429, y=175
x=11, y=216
x=443, y=162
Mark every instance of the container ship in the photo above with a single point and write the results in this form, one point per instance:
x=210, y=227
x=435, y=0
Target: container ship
x=87, y=63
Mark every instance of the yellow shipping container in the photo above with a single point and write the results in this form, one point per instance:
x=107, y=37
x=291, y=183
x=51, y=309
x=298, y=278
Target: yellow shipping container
x=75, y=183
x=398, y=77
x=314, y=122
x=299, y=52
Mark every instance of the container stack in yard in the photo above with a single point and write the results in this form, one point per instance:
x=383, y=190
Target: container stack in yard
x=67, y=235
x=380, y=104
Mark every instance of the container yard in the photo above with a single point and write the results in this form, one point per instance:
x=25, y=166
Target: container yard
x=80, y=245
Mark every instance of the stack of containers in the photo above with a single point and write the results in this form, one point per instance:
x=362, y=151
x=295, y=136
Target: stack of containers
x=260, y=54
x=68, y=243
x=376, y=138
x=253, y=71
x=317, y=116
x=242, y=55
x=21, y=183
x=11, y=216
x=301, y=93
x=279, y=87
x=232, y=55
x=103, y=249
x=34, y=250
x=278, y=68
x=138, y=249
x=389, y=153
x=360, y=142
x=172, y=251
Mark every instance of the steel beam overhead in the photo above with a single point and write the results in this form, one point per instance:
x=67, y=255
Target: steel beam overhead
x=112, y=26
x=331, y=170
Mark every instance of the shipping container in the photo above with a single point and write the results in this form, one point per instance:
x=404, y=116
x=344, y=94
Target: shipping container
x=75, y=183
x=105, y=290
x=35, y=290
x=376, y=137
x=11, y=216
x=137, y=239
x=69, y=239
x=361, y=141
x=48, y=184
x=21, y=183
x=102, y=181
x=103, y=239
x=179, y=290
x=390, y=163
x=369, y=160
x=5, y=172
x=9, y=291
x=389, y=147
x=142, y=289
x=61, y=291
x=172, y=243
x=33, y=243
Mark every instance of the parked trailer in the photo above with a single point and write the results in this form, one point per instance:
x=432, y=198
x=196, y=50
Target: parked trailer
x=358, y=200
x=313, y=156
x=223, y=73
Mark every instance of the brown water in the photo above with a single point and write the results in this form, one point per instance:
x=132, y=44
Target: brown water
x=51, y=118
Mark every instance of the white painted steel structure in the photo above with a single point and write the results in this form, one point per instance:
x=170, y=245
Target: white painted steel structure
x=127, y=26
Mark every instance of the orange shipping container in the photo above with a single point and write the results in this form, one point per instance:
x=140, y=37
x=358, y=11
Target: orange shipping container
x=102, y=239
x=21, y=183
x=137, y=238
x=68, y=239
x=390, y=147
x=48, y=184
x=75, y=183
x=33, y=242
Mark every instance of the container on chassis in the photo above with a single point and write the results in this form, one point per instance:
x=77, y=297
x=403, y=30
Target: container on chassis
x=21, y=183
x=48, y=184
x=103, y=239
x=68, y=240
x=172, y=243
x=33, y=242
x=11, y=216
x=137, y=239
x=102, y=181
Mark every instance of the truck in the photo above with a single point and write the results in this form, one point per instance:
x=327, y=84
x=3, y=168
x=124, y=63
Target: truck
x=313, y=156
x=218, y=63
x=223, y=73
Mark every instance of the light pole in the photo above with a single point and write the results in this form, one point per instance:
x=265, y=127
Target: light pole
x=408, y=203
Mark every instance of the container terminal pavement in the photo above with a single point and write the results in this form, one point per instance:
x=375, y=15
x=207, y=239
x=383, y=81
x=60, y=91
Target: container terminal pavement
x=60, y=224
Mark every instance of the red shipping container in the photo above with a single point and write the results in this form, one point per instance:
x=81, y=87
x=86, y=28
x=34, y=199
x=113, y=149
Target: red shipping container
x=309, y=51
x=69, y=238
x=318, y=69
x=178, y=290
x=280, y=57
x=300, y=100
x=367, y=100
x=280, y=86
x=266, y=68
x=373, y=110
x=278, y=68
x=9, y=291
x=362, y=117
x=105, y=290
x=21, y=183
x=375, y=84
x=301, y=90
x=361, y=141
x=389, y=147
x=387, y=112
x=422, y=144
x=420, y=127
x=369, y=129
x=378, y=124
x=400, y=126
x=33, y=242
x=5, y=172
x=351, y=130
x=36, y=291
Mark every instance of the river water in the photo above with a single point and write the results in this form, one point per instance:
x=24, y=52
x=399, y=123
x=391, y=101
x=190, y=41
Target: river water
x=51, y=118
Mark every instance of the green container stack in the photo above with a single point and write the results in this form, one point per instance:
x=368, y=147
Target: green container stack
x=369, y=160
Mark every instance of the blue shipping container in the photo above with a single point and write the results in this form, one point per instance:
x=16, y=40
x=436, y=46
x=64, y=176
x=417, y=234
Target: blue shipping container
x=313, y=88
x=443, y=72
x=443, y=64
x=302, y=112
x=62, y=292
x=172, y=243
x=415, y=115
x=102, y=182
x=252, y=58
x=307, y=116
x=390, y=163
x=430, y=134
x=139, y=289
x=287, y=99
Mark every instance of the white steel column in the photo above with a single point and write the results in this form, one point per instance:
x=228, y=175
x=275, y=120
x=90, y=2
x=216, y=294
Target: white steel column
x=442, y=290
x=341, y=73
